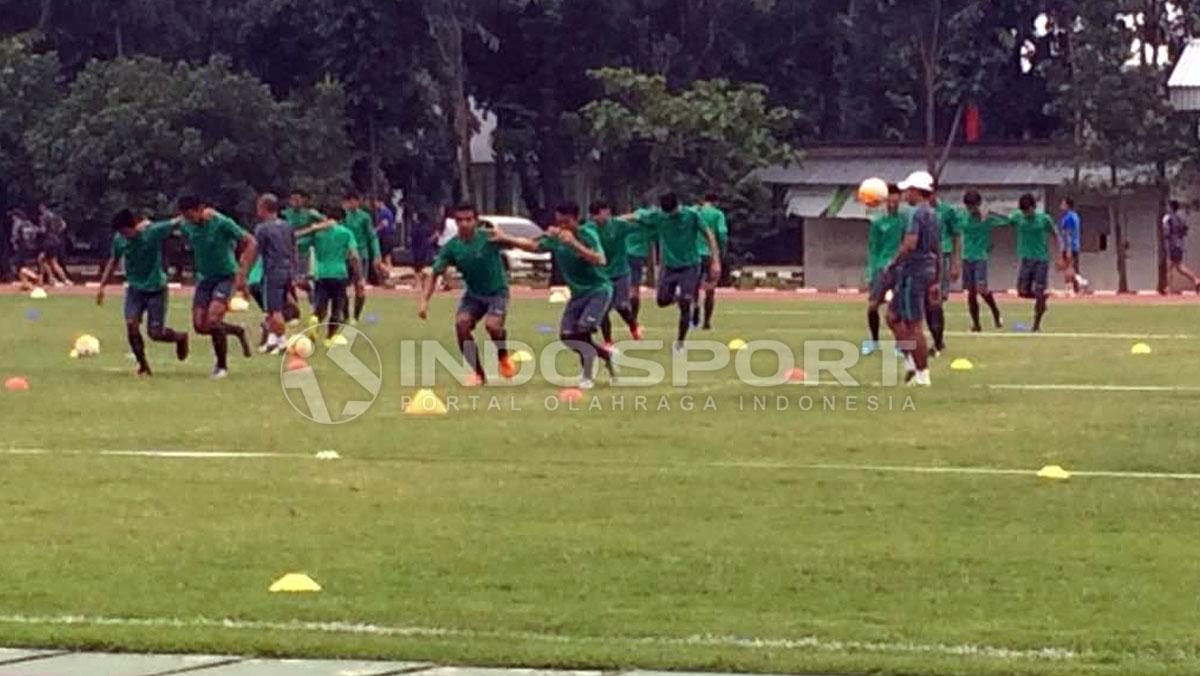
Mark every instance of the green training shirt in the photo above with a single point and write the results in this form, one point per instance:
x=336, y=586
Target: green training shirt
x=582, y=277
x=950, y=225
x=213, y=246
x=883, y=242
x=1033, y=235
x=677, y=234
x=713, y=219
x=478, y=260
x=614, y=237
x=331, y=248
x=359, y=222
x=143, y=257
x=977, y=234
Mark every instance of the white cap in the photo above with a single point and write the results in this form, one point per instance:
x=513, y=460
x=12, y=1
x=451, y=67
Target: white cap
x=921, y=180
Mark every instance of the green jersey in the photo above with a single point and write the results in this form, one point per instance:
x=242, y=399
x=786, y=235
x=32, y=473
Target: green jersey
x=614, y=237
x=359, y=222
x=677, y=234
x=256, y=273
x=479, y=262
x=582, y=277
x=637, y=242
x=883, y=242
x=300, y=219
x=951, y=227
x=331, y=247
x=213, y=244
x=143, y=257
x=713, y=219
x=977, y=235
x=1033, y=235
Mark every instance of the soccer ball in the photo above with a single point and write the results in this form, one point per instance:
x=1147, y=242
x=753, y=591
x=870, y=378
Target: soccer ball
x=239, y=304
x=87, y=346
x=873, y=192
x=300, y=346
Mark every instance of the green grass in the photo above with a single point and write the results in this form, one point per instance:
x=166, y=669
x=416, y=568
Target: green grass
x=598, y=538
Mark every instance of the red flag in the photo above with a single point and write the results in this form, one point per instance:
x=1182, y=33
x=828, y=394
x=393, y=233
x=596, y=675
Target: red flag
x=972, y=124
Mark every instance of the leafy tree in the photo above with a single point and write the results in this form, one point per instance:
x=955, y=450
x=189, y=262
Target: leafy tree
x=140, y=132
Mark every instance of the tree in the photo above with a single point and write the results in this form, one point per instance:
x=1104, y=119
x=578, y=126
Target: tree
x=28, y=88
x=139, y=132
x=712, y=136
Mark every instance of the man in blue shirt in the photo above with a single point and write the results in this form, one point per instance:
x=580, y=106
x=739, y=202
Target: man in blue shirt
x=385, y=227
x=1069, y=227
x=917, y=271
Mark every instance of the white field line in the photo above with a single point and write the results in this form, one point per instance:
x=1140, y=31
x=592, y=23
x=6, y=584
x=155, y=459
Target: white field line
x=826, y=467
x=1093, y=388
x=699, y=640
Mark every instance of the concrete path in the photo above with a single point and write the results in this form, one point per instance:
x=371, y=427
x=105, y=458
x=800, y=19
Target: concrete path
x=17, y=662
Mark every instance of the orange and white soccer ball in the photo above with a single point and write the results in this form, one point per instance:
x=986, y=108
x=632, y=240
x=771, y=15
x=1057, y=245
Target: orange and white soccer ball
x=873, y=192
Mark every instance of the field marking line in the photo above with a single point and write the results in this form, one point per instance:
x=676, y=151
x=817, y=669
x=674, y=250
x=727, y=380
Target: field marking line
x=1092, y=388
x=978, y=471
x=697, y=640
x=181, y=455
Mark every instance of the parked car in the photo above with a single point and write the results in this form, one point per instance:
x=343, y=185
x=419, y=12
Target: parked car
x=520, y=261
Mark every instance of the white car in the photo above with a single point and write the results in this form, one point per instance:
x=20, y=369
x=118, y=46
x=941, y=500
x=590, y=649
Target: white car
x=515, y=260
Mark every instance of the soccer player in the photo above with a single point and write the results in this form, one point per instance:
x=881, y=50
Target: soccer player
x=883, y=242
x=977, y=249
x=951, y=247
x=54, y=235
x=139, y=244
x=280, y=264
x=1034, y=229
x=916, y=268
x=614, y=236
x=358, y=221
x=1070, y=229
x=1174, y=231
x=579, y=254
x=214, y=238
x=337, y=263
x=475, y=252
x=26, y=243
x=678, y=230
x=713, y=218
x=638, y=246
x=301, y=216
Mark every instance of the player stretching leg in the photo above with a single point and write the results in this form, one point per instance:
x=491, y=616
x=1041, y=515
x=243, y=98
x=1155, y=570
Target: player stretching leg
x=475, y=253
x=614, y=237
x=883, y=242
x=214, y=238
x=977, y=248
x=140, y=245
x=1034, y=231
x=916, y=269
x=579, y=253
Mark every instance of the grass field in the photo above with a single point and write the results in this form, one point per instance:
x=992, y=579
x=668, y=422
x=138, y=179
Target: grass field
x=676, y=539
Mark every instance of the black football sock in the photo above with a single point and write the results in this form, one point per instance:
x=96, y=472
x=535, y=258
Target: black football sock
x=220, y=348
x=500, y=339
x=1039, y=311
x=973, y=308
x=606, y=329
x=710, y=306
x=470, y=352
x=685, y=321
x=635, y=303
x=990, y=299
x=937, y=327
x=359, y=303
x=628, y=317
x=138, y=346
x=873, y=323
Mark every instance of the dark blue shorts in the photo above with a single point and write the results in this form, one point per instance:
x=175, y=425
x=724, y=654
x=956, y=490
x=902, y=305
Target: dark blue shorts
x=975, y=274
x=479, y=307
x=911, y=294
x=1034, y=278
x=1176, y=254
x=881, y=283
x=637, y=272
x=330, y=291
x=944, y=282
x=678, y=285
x=152, y=304
x=271, y=296
x=621, y=299
x=584, y=313
x=219, y=289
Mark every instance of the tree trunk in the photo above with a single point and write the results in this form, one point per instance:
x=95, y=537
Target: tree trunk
x=929, y=48
x=446, y=21
x=528, y=194
x=550, y=163
x=1114, y=220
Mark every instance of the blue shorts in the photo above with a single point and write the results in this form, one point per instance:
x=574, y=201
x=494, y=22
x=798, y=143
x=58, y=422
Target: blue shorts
x=270, y=296
x=330, y=292
x=678, y=285
x=208, y=291
x=911, y=294
x=621, y=299
x=1176, y=254
x=637, y=272
x=479, y=307
x=881, y=283
x=975, y=275
x=152, y=304
x=584, y=313
x=1034, y=278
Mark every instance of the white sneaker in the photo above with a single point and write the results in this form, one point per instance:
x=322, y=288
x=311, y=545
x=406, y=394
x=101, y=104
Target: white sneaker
x=219, y=374
x=587, y=384
x=922, y=379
